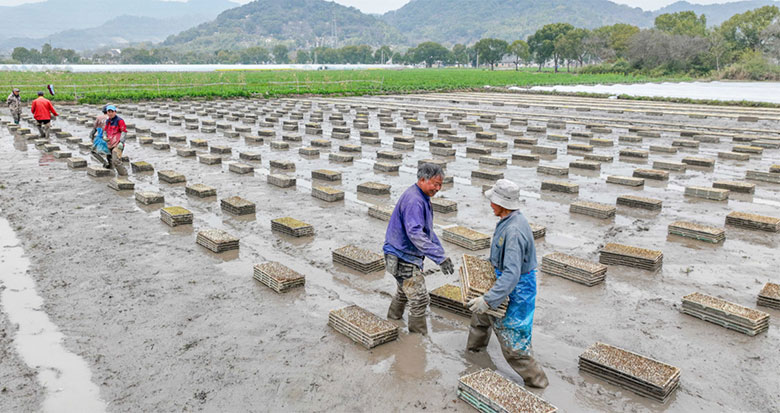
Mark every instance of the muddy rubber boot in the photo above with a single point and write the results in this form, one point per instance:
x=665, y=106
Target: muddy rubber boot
x=120, y=169
x=396, y=310
x=529, y=370
x=418, y=325
x=479, y=333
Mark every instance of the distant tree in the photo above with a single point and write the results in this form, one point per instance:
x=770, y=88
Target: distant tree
x=491, y=51
x=430, y=53
x=571, y=46
x=542, y=43
x=613, y=40
x=743, y=31
x=684, y=23
x=21, y=55
x=771, y=40
x=383, y=54
x=254, y=55
x=281, y=54
x=398, y=58
x=519, y=50
x=302, y=57
x=653, y=48
x=460, y=54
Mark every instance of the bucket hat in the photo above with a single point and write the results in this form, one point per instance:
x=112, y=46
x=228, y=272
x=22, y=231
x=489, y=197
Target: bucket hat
x=505, y=193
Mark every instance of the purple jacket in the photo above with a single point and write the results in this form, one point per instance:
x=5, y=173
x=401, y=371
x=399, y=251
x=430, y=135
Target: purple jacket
x=410, y=235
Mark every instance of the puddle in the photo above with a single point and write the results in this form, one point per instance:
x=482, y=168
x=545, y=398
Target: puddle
x=65, y=376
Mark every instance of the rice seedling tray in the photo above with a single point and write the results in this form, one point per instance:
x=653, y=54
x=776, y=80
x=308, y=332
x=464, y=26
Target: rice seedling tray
x=358, y=259
x=466, y=238
x=477, y=277
x=489, y=392
x=593, y=209
x=449, y=297
x=629, y=256
x=292, y=227
x=175, y=215
x=121, y=184
x=696, y=231
x=217, y=240
x=362, y=326
x=753, y=221
x=574, y=268
x=200, y=190
x=236, y=205
x=278, y=277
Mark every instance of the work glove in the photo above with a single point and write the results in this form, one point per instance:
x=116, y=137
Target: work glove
x=447, y=267
x=121, y=146
x=478, y=305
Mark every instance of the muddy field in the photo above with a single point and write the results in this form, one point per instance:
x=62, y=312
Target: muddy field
x=165, y=325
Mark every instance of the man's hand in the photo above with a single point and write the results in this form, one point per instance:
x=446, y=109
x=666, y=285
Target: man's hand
x=447, y=267
x=478, y=305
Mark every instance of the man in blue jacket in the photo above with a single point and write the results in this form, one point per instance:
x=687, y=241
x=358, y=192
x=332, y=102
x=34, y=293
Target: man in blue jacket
x=409, y=239
x=513, y=255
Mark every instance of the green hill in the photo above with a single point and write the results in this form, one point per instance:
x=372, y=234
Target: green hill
x=307, y=23
x=465, y=21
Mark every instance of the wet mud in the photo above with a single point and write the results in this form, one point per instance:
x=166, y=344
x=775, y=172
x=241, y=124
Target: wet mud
x=166, y=325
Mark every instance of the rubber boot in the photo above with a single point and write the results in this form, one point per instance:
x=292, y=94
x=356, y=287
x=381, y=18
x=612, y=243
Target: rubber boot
x=529, y=370
x=396, y=310
x=418, y=325
x=479, y=333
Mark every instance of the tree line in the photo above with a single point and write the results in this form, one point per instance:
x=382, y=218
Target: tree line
x=746, y=45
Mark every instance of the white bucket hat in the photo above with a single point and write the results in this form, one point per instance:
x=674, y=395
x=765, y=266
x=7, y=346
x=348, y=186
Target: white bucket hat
x=505, y=193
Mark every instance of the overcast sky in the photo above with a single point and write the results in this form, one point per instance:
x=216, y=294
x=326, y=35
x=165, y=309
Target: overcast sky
x=381, y=6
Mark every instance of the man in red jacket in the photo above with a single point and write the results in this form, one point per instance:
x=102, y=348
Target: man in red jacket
x=42, y=109
x=116, y=132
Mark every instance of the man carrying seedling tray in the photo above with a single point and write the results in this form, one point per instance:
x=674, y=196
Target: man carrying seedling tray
x=115, y=132
x=513, y=256
x=409, y=239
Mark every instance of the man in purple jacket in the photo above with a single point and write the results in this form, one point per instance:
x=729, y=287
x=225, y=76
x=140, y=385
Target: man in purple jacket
x=409, y=239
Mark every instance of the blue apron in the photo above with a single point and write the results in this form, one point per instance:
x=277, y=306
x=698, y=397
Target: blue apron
x=515, y=327
x=100, y=145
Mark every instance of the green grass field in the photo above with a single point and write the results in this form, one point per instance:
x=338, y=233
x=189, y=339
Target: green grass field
x=101, y=87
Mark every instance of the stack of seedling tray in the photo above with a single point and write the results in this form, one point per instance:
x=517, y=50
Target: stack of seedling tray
x=75, y=163
x=642, y=375
x=725, y=314
x=477, y=277
x=200, y=190
x=753, y=221
x=593, y=209
x=325, y=175
x=466, y=238
x=121, y=184
x=735, y=186
x=282, y=181
x=444, y=206
x=141, y=166
x=359, y=259
x=292, y=227
x=625, y=180
x=149, y=198
x=171, y=177
x=98, y=171
x=489, y=392
x=382, y=212
x=561, y=186
x=237, y=206
x=618, y=254
x=217, y=240
x=240, y=168
x=374, y=188
x=278, y=277
x=327, y=193
x=634, y=201
x=714, y=194
x=538, y=230
x=450, y=297
x=655, y=174
x=696, y=231
x=574, y=269
x=770, y=296
x=362, y=327
x=175, y=216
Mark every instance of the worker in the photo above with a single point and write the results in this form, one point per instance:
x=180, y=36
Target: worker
x=513, y=256
x=42, y=109
x=115, y=135
x=14, y=102
x=99, y=145
x=408, y=240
